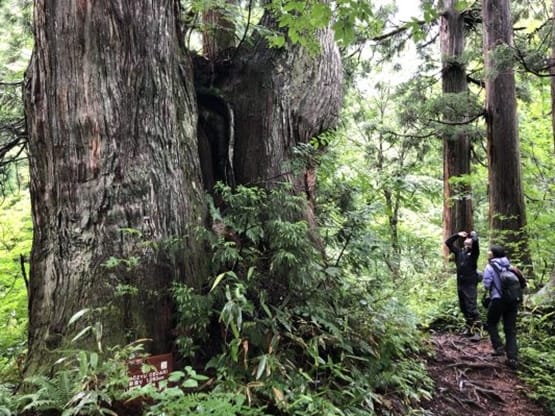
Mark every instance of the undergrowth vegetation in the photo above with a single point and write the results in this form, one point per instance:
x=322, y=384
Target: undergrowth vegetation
x=277, y=331
x=537, y=331
x=281, y=329
x=299, y=336
x=292, y=322
x=15, y=246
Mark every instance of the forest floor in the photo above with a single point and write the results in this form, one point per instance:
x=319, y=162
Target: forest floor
x=470, y=381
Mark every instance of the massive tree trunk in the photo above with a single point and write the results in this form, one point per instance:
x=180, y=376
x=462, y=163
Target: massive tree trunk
x=457, y=201
x=112, y=118
x=111, y=115
x=506, y=198
x=283, y=98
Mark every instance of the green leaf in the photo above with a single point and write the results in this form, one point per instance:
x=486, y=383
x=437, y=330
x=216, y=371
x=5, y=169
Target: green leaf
x=321, y=15
x=78, y=315
x=261, y=366
x=461, y=5
x=217, y=281
x=81, y=333
x=277, y=41
x=190, y=383
x=220, y=277
x=93, y=360
x=175, y=376
x=266, y=309
x=430, y=13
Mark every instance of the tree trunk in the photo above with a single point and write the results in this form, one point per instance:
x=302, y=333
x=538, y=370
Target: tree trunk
x=116, y=182
x=281, y=98
x=552, y=72
x=215, y=122
x=112, y=148
x=457, y=200
x=392, y=197
x=506, y=199
x=277, y=99
x=547, y=293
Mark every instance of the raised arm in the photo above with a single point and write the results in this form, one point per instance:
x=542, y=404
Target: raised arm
x=450, y=242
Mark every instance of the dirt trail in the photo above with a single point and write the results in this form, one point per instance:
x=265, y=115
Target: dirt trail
x=469, y=381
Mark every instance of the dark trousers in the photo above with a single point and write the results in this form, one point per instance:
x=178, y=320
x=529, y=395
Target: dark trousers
x=500, y=310
x=468, y=294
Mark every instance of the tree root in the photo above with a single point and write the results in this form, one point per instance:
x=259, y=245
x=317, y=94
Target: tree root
x=475, y=365
x=488, y=393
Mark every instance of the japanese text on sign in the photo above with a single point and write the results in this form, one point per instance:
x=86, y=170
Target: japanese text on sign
x=160, y=367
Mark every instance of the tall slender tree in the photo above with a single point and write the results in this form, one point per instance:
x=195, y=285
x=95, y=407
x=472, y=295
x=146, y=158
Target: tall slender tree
x=507, y=210
x=552, y=71
x=549, y=288
x=457, y=201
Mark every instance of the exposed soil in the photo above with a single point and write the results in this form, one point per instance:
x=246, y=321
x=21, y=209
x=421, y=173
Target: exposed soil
x=470, y=381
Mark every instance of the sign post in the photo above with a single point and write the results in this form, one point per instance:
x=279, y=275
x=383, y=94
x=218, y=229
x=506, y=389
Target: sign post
x=160, y=367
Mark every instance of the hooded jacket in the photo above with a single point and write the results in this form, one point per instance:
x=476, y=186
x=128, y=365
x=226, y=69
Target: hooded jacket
x=492, y=281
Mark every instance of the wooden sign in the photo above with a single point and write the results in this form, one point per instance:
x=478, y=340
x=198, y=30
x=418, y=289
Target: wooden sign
x=160, y=367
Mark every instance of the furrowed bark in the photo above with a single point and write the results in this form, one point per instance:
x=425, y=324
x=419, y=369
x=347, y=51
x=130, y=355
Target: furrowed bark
x=111, y=115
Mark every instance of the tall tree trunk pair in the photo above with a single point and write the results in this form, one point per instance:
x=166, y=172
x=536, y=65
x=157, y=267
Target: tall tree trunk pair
x=112, y=119
x=506, y=198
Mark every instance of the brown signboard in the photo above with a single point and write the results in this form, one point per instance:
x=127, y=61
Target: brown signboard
x=160, y=367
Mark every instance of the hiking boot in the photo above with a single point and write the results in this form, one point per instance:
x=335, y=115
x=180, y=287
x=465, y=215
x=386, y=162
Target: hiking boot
x=475, y=337
x=512, y=363
x=498, y=352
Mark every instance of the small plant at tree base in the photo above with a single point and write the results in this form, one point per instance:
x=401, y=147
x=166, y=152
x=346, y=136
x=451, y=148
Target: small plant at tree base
x=179, y=395
x=8, y=400
x=193, y=318
x=83, y=382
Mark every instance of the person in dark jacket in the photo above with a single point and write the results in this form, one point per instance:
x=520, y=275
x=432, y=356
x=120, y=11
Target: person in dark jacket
x=498, y=308
x=466, y=259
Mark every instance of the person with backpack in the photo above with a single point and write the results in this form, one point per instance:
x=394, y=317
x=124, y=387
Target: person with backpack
x=466, y=259
x=505, y=296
